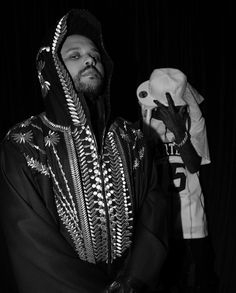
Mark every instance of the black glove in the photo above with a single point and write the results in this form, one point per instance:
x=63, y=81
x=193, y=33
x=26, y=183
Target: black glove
x=173, y=117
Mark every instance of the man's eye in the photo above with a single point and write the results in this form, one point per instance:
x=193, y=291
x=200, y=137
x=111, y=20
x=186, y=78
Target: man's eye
x=75, y=56
x=97, y=58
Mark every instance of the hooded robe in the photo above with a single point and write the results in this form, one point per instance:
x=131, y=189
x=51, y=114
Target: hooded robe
x=80, y=202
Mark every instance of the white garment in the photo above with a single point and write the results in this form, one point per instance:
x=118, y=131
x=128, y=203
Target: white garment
x=191, y=214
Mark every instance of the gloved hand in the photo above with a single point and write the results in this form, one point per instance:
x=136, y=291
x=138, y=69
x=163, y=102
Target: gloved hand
x=174, y=118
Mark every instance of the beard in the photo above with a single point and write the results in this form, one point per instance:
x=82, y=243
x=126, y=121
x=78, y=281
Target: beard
x=89, y=86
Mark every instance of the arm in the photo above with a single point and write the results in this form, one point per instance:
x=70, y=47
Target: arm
x=42, y=259
x=187, y=152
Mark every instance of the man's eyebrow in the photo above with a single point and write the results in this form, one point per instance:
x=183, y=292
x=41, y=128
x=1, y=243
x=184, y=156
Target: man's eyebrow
x=94, y=49
x=72, y=49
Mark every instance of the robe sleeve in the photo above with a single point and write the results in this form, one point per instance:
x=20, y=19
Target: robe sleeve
x=42, y=260
x=149, y=248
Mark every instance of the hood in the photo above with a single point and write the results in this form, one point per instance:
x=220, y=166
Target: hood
x=63, y=105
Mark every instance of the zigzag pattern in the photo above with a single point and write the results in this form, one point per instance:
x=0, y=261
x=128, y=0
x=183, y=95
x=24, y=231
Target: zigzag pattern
x=94, y=202
x=121, y=228
x=75, y=109
x=82, y=196
x=61, y=30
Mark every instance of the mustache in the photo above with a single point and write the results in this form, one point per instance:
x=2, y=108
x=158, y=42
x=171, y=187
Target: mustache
x=88, y=68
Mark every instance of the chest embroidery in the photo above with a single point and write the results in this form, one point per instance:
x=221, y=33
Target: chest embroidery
x=96, y=209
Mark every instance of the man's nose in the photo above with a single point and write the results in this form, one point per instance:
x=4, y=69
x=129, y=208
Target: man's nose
x=89, y=60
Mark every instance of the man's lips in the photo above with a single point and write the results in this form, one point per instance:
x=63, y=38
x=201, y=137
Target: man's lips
x=90, y=72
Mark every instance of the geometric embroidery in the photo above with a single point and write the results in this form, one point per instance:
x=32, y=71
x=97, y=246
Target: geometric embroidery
x=23, y=137
x=34, y=164
x=139, y=159
x=124, y=135
x=52, y=138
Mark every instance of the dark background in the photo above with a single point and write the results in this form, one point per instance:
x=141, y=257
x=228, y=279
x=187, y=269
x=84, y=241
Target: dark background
x=195, y=36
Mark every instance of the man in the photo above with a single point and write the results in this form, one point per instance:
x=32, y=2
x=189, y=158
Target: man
x=177, y=132
x=80, y=207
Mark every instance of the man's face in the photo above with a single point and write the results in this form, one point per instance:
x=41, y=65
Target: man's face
x=83, y=61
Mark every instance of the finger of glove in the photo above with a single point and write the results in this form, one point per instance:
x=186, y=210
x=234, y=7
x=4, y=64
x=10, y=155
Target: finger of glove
x=170, y=102
x=159, y=104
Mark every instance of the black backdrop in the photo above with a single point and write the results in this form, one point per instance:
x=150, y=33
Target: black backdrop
x=195, y=36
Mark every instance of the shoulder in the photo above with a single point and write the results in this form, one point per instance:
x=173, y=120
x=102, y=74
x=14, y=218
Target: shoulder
x=25, y=135
x=23, y=147
x=129, y=131
x=132, y=140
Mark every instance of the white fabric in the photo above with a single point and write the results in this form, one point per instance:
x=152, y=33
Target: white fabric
x=161, y=81
x=198, y=128
x=192, y=214
x=193, y=219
